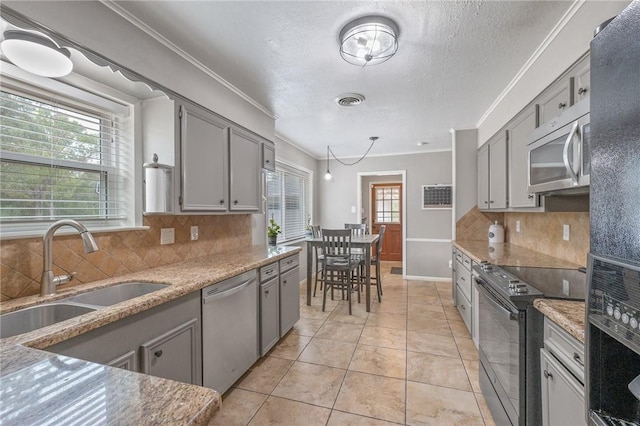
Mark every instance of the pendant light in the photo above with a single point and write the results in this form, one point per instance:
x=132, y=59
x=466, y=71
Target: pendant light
x=369, y=40
x=36, y=54
x=328, y=176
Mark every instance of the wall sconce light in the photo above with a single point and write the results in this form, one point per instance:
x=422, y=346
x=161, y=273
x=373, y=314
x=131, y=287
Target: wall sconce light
x=370, y=40
x=36, y=54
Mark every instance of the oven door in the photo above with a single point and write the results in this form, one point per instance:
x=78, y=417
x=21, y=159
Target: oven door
x=499, y=343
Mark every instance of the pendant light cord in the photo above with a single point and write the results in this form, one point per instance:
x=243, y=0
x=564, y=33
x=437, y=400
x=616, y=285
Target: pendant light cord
x=373, y=141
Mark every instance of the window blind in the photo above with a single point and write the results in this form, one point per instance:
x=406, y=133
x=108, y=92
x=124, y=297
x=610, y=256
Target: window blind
x=287, y=201
x=58, y=160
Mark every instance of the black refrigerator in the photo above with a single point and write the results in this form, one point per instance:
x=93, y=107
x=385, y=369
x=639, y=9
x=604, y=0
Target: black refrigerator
x=612, y=388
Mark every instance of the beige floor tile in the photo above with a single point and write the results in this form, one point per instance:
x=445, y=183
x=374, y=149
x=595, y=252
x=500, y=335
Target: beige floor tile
x=279, y=411
x=341, y=331
x=484, y=409
x=387, y=320
x=290, y=346
x=391, y=307
x=428, y=325
x=443, y=286
x=452, y=313
x=315, y=311
x=311, y=383
x=425, y=300
x=428, y=314
x=435, y=344
x=472, y=372
x=307, y=326
x=383, y=337
x=420, y=309
x=372, y=396
x=467, y=348
x=330, y=353
x=446, y=302
x=380, y=361
x=358, y=315
x=339, y=418
x=418, y=292
x=238, y=407
x=437, y=370
x=435, y=405
x=459, y=329
x=412, y=284
x=265, y=374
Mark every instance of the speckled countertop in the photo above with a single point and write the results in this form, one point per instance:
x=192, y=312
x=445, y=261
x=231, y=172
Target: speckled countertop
x=31, y=389
x=506, y=254
x=567, y=314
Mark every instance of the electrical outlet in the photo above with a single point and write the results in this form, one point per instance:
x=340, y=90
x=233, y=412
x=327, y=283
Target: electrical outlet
x=566, y=232
x=565, y=287
x=353, y=209
x=194, y=233
x=517, y=226
x=167, y=236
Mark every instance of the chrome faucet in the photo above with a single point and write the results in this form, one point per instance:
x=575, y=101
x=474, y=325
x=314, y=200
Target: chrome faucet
x=49, y=282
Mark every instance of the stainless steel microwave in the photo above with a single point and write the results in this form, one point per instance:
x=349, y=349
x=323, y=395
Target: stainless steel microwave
x=558, y=151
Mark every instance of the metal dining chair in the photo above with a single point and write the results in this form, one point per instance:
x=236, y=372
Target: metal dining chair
x=340, y=266
x=319, y=256
x=375, y=260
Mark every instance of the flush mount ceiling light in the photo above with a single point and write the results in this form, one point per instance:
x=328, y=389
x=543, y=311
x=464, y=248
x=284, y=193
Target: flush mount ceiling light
x=328, y=175
x=36, y=54
x=369, y=40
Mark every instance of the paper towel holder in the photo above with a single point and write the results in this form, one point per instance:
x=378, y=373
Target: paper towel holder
x=157, y=187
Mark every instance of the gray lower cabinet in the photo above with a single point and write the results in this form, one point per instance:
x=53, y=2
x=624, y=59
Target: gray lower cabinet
x=164, y=341
x=289, y=299
x=269, y=315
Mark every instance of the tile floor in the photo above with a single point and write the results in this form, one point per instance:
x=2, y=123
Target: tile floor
x=410, y=361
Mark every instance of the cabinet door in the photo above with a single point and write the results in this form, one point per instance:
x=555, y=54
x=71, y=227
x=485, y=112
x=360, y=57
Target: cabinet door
x=289, y=300
x=126, y=361
x=475, y=314
x=498, y=171
x=582, y=76
x=483, y=177
x=269, y=315
x=562, y=394
x=173, y=355
x=245, y=169
x=203, y=146
x=519, y=132
x=555, y=99
x=454, y=276
x=268, y=156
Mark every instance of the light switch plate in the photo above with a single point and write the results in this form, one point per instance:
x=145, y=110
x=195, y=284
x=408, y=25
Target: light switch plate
x=353, y=209
x=167, y=236
x=517, y=226
x=565, y=232
x=194, y=233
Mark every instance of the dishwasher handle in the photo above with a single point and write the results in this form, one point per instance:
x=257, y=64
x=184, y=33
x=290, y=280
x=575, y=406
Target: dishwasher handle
x=233, y=290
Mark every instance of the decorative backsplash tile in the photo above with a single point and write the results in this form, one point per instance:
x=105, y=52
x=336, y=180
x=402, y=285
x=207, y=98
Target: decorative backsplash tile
x=475, y=225
x=120, y=252
x=542, y=232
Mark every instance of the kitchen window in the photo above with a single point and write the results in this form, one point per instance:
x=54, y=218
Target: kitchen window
x=62, y=158
x=287, y=200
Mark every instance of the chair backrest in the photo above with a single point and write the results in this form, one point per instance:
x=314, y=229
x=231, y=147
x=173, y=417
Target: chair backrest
x=356, y=228
x=383, y=229
x=336, y=243
x=315, y=230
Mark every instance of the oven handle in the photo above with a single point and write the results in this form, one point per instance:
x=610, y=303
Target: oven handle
x=482, y=285
x=565, y=153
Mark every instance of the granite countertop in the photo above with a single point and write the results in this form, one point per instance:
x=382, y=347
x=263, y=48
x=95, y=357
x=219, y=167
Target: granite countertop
x=29, y=376
x=568, y=314
x=506, y=254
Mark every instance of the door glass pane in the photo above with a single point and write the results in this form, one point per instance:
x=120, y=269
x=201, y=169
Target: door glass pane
x=395, y=193
x=395, y=217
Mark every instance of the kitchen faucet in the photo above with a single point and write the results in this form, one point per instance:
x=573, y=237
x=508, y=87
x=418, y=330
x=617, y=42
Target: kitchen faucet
x=49, y=282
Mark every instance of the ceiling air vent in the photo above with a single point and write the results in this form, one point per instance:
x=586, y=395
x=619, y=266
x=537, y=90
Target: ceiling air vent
x=350, y=99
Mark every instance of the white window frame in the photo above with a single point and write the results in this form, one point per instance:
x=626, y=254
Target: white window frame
x=308, y=194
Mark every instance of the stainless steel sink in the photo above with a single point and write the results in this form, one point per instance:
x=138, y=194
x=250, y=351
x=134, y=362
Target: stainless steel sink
x=36, y=317
x=115, y=294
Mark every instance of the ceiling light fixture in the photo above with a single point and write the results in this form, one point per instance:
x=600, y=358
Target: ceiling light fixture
x=36, y=54
x=328, y=175
x=370, y=40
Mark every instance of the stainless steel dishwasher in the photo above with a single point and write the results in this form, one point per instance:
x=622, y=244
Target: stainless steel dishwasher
x=230, y=340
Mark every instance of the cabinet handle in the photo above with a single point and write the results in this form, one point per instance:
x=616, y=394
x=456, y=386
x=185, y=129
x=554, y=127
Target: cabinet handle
x=582, y=91
x=221, y=201
x=462, y=278
x=530, y=196
x=158, y=353
x=486, y=202
x=548, y=375
x=235, y=201
x=284, y=282
x=562, y=105
x=463, y=307
x=266, y=292
x=576, y=358
x=267, y=161
x=490, y=202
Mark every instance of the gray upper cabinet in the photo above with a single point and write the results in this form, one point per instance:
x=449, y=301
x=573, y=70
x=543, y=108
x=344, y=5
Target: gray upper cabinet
x=492, y=173
x=557, y=98
x=582, y=78
x=519, y=130
x=203, y=149
x=245, y=187
x=268, y=156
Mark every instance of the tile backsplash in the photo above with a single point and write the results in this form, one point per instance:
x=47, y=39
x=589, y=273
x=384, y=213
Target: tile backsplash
x=120, y=252
x=474, y=225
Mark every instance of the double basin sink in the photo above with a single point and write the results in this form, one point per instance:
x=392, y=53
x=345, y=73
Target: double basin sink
x=29, y=319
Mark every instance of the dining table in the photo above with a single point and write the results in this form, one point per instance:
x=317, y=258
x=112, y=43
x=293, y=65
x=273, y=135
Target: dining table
x=364, y=242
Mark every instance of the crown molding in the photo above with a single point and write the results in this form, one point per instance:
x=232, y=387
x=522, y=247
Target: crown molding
x=295, y=145
x=575, y=6
x=183, y=54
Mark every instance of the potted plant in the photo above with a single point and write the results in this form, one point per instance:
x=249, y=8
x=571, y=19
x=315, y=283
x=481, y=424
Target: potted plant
x=272, y=232
x=309, y=229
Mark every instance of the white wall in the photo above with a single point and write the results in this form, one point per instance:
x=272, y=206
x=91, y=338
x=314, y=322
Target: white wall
x=94, y=26
x=571, y=41
x=465, y=172
x=423, y=255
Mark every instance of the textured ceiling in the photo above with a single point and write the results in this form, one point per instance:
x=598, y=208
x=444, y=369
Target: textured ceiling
x=454, y=59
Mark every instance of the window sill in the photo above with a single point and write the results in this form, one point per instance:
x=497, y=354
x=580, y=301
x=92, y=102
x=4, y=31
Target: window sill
x=39, y=233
